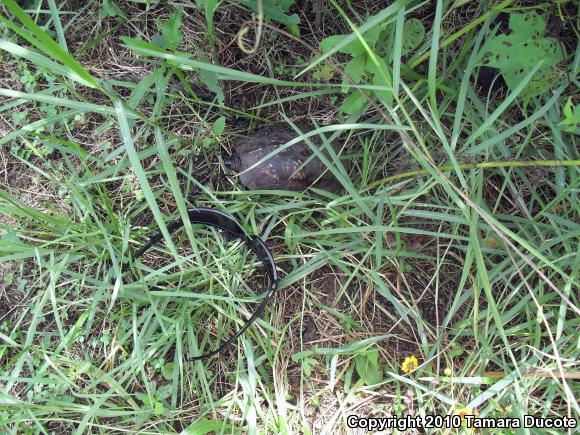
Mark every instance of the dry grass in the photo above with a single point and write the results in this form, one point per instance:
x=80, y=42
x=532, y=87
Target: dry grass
x=338, y=303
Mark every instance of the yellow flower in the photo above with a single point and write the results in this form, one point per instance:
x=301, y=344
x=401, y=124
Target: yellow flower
x=462, y=412
x=409, y=364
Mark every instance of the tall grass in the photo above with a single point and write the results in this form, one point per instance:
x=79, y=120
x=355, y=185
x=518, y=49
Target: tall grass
x=467, y=257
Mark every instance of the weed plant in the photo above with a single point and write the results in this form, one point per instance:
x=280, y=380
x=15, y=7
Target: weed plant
x=443, y=279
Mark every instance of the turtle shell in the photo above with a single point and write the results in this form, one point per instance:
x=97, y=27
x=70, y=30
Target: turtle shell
x=286, y=170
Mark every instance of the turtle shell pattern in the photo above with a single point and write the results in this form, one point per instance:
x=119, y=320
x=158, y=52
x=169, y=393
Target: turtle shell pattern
x=282, y=170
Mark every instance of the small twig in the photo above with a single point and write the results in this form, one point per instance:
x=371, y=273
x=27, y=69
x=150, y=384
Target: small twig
x=317, y=14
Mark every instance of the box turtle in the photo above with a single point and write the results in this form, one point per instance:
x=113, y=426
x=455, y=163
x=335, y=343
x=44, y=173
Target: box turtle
x=285, y=170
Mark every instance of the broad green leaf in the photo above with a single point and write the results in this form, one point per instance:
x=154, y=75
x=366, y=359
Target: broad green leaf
x=202, y=427
x=413, y=34
x=209, y=7
x=367, y=367
x=527, y=26
x=356, y=67
x=167, y=370
x=158, y=408
x=308, y=364
x=372, y=22
x=323, y=73
x=353, y=102
x=381, y=77
x=355, y=47
x=525, y=47
x=170, y=30
x=110, y=9
x=169, y=37
x=219, y=125
x=571, y=114
x=210, y=79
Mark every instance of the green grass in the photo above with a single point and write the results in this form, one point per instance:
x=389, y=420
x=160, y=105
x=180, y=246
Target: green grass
x=455, y=238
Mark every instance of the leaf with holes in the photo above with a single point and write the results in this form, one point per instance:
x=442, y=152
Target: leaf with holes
x=413, y=34
x=520, y=51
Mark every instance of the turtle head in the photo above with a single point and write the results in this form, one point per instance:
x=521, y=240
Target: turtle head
x=232, y=162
